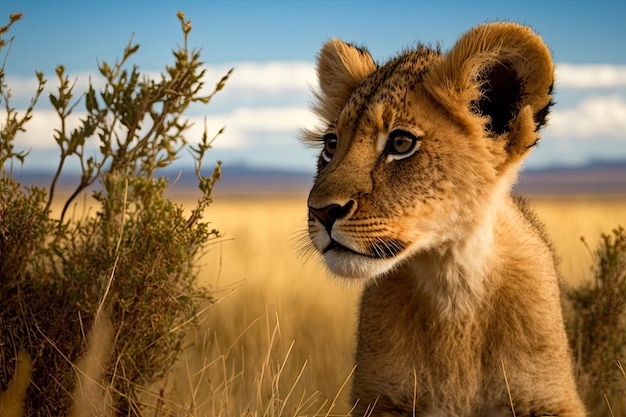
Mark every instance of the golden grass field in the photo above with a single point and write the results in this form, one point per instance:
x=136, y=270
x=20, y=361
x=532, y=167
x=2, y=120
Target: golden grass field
x=280, y=339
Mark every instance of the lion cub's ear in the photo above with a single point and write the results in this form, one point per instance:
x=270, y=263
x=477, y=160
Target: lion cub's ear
x=503, y=72
x=340, y=69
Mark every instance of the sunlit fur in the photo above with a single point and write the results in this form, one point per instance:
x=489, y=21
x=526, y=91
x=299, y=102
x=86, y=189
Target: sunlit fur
x=460, y=288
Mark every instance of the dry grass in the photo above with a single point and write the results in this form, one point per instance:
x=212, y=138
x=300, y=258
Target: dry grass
x=258, y=261
x=280, y=324
x=567, y=219
x=280, y=340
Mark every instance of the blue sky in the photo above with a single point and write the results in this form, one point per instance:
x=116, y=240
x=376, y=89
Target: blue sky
x=272, y=46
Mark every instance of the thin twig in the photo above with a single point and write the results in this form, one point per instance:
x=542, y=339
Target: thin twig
x=608, y=404
x=508, y=388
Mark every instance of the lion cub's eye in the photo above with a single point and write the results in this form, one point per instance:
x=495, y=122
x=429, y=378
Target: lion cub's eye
x=330, y=146
x=401, y=144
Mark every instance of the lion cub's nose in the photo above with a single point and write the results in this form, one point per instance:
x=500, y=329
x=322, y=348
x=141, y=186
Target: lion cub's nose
x=331, y=213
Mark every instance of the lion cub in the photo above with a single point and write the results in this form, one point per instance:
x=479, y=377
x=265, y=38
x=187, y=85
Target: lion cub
x=461, y=314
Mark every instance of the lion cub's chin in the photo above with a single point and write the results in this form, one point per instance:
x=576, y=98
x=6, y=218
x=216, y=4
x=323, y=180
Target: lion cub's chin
x=353, y=265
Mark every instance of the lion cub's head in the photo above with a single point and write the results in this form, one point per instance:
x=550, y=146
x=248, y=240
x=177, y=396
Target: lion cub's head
x=415, y=151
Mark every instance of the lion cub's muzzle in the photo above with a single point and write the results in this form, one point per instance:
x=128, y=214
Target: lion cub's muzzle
x=353, y=246
x=343, y=234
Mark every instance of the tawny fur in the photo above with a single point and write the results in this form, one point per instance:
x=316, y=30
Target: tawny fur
x=461, y=305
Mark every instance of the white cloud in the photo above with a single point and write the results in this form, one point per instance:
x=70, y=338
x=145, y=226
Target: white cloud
x=265, y=119
x=262, y=84
x=266, y=76
x=241, y=126
x=288, y=77
x=596, y=116
x=590, y=75
x=272, y=77
x=40, y=128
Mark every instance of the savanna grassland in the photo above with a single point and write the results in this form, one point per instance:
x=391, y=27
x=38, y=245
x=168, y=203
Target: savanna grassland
x=281, y=335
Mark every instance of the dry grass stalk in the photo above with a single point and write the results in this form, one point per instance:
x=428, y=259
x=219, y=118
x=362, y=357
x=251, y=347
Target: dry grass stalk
x=91, y=395
x=12, y=399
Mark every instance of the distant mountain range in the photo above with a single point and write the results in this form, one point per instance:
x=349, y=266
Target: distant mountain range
x=240, y=180
x=594, y=178
x=598, y=177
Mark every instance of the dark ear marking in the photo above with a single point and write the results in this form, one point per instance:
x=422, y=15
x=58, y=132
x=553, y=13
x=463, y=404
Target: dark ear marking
x=500, y=96
x=541, y=117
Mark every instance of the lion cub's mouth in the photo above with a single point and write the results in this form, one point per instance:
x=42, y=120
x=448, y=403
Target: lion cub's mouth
x=333, y=245
x=384, y=249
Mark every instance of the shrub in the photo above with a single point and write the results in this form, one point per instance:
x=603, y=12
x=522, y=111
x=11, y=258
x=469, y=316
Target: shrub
x=599, y=319
x=131, y=268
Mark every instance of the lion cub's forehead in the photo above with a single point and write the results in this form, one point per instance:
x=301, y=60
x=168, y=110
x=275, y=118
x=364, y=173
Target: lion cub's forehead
x=387, y=88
